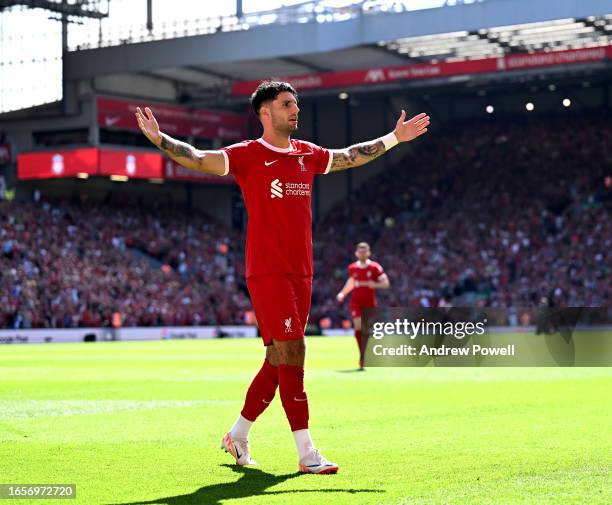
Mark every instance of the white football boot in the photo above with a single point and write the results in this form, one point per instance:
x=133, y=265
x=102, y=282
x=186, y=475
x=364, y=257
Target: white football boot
x=239, y=449
x=314, y=462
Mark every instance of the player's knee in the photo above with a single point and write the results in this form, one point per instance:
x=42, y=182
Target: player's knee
x=291, y=352
x=272, y=356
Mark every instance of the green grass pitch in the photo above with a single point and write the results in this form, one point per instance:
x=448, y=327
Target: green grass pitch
x=141, y=422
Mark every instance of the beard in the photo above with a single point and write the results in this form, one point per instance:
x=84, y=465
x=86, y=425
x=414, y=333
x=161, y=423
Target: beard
x=284, y=126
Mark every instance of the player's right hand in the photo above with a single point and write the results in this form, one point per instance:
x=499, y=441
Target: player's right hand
x=148, y=125
x=340, y=297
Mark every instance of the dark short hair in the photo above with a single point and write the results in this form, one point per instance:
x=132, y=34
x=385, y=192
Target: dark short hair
x=363, y=244
x=269, y=90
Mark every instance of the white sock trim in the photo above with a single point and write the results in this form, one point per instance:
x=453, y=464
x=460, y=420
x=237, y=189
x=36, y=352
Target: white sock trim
x=303, y=442
x=241, y=428
x=390, y=140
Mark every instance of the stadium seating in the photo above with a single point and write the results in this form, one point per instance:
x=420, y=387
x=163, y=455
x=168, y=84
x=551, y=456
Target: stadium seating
x=69, y=265
x=498, y=215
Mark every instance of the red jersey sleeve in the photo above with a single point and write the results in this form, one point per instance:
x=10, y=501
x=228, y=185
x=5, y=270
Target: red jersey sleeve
x=377, y=271
x=234, y=157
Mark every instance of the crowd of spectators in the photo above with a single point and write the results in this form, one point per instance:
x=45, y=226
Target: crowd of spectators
x=68, y=265
x=497, y=214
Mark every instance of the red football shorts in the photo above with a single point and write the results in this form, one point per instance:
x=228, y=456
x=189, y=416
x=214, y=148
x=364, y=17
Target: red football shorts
x=356, y=309
x=281, y=303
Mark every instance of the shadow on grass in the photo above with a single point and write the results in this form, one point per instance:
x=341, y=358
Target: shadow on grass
x=253, y=482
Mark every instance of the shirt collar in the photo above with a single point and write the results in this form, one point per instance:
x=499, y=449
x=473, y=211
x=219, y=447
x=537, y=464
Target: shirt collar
x=274, y=148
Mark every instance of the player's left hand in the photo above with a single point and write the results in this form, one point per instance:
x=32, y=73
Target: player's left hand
x=405, y=131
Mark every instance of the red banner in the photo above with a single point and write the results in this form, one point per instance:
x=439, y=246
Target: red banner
x=173, y=119
x=175, y=172
x=379, y=75
x=54, y=164
x=135, y=165
x=107, y=162
x=5, y=154
x=543, y=59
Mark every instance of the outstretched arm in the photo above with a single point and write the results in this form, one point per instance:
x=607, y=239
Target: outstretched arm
x=360, y=154
x=346, y=289
x=210, y=162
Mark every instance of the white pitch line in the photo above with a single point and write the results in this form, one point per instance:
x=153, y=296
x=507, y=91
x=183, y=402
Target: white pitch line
x=20, y=409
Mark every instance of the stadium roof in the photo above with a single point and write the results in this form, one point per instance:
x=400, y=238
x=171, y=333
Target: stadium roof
x=96, y=9
x=179, y=54
x=205, y=56
x=548, y=35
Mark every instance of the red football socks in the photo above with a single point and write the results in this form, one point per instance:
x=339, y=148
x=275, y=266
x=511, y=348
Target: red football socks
x=360, y=346
x=293, y=396
x=261, y=391
x=290, y=379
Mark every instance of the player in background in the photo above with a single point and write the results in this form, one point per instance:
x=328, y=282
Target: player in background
x=365, y=277
x=276, y=175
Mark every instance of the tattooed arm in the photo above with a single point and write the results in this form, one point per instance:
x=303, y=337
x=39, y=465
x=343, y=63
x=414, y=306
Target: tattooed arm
x=210, y=162
x=360, y=154
x=356, y=155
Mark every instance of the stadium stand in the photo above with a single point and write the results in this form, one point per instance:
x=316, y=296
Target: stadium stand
x=498, y=215
x=501, y=216
x=70, y=265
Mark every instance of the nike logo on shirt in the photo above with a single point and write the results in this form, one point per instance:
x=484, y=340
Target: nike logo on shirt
x=268, y=163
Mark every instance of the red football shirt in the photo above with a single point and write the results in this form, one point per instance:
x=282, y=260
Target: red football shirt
x=362, y=296
x=277, y=186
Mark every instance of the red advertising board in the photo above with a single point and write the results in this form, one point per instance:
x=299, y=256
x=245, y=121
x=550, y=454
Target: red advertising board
x=108, y=162
x=133, y=164
x=175, y=172
x=60, y=163
x=546, y=59
x=173, y=119
x=377, y=75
